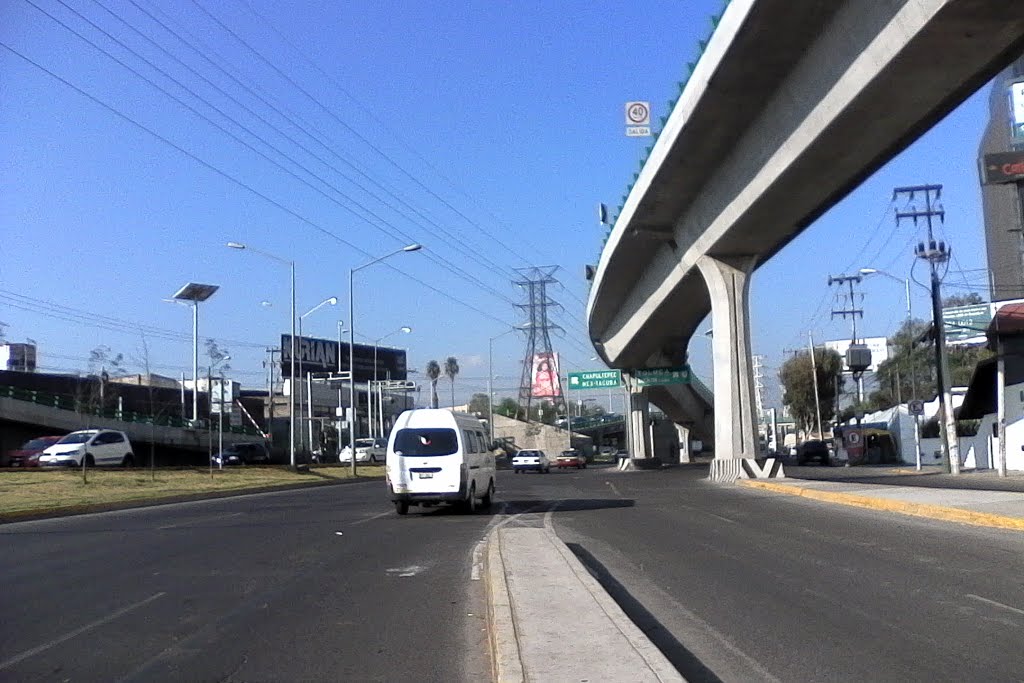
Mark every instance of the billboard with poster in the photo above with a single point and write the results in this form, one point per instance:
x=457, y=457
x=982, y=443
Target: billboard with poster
x=545, y=382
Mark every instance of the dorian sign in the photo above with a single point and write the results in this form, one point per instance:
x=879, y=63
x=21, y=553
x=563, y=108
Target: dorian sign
x=321, y=355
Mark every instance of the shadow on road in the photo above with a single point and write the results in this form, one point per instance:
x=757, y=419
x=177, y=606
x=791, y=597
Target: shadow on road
x=508, y=508
x=692, y=669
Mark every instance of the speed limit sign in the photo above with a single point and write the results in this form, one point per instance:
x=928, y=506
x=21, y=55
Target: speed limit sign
x=638, y=113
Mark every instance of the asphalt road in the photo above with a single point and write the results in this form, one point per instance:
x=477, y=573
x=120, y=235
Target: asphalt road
x=326, y=584
x=732, y=584
x=742, y=585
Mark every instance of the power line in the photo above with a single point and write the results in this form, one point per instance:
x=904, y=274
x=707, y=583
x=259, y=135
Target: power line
x=235, y=181
x=370, y=114
x=381, y=222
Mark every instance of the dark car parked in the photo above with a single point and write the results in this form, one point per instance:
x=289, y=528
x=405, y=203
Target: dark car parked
x=814, y=450
x=243, y=454
x=28, y=454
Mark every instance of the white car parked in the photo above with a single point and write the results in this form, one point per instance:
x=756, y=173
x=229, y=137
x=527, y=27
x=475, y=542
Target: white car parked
x=367, y=450
x=94, y=446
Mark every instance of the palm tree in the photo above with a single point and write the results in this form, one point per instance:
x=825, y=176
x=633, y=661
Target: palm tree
x=451, y=369
x=433, y=371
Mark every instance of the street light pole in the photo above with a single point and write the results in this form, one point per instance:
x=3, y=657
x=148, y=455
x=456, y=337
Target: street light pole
x=195, y=362
x=331, y=300
x=490, y=380
x=352, y=345
x=291, y=372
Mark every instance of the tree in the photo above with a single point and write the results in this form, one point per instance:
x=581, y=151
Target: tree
x=910, y=370
x=798, y=385
x=433, y=371
x=508, y=407
x=478, y=405
x=969, y=299
x=451, y=369
x=217, y=354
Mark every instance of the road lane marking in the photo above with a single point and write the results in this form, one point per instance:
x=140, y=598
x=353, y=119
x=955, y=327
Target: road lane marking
x=79, y=631
x=614, y=489
x=411, y=570
x=705, y=512
x=370, y=519
x=198, y=521
x=994, y=603
x=478, y=560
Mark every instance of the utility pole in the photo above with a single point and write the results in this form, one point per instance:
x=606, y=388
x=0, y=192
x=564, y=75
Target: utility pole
x=814, y=376
x=270, y=392
x=852, y=311
x=936, y=253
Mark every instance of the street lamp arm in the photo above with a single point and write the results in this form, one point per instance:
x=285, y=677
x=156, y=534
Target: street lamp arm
x=411, y=247
x=246, y=247
x=876, y=271
x=332, y=300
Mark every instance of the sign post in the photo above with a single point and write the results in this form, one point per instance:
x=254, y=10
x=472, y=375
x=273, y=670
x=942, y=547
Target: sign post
x=916, y=408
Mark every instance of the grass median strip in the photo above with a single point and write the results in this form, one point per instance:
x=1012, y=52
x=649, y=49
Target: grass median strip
x=27, y=492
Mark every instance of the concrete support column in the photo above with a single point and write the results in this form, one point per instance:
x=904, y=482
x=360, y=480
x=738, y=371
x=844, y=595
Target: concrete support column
x=683, y=437
x=728, y=281
x=639, y=429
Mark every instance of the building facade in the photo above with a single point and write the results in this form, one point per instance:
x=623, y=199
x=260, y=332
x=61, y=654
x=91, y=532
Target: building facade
x=1002, y=201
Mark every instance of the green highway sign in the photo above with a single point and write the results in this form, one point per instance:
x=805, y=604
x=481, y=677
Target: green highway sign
x=650, y=377
x=595, y=379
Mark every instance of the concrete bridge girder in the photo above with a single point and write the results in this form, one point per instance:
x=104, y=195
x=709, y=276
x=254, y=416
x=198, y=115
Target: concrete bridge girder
x=840, y=88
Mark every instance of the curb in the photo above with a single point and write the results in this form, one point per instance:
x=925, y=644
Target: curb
x=86, y=509
x=506, y=664
x=643, y=646
x=939, y=512
x=506, y=659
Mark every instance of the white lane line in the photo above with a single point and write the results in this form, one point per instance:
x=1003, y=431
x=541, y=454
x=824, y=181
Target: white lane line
x=994, y=603
x=370, y=519
x=199, y=521
x=614, y=489
x=478, y=560
x=411, y=570
x=78, y=631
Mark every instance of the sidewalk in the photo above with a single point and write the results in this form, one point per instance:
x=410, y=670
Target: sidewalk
x=551, y=621
x=977, y=498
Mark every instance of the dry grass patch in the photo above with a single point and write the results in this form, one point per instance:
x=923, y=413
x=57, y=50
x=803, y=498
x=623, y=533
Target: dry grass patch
x=28, y=492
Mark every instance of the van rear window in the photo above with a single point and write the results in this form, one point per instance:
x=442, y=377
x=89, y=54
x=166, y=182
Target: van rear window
x=426, y=442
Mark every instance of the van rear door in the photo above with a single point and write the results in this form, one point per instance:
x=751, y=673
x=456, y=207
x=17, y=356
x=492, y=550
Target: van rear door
x=430, y=461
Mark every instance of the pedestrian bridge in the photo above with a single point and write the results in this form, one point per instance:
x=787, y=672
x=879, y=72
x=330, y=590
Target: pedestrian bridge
x=792, y=104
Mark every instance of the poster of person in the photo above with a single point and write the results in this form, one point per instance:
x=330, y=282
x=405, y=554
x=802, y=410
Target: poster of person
x=546, y=383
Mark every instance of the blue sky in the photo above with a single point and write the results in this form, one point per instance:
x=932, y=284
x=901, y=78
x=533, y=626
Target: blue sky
x=486, y=131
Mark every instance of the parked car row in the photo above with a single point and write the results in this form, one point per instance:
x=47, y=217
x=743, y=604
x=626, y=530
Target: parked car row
x=88, y=446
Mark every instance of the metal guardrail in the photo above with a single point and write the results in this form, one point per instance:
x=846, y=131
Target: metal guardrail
x=71, y=403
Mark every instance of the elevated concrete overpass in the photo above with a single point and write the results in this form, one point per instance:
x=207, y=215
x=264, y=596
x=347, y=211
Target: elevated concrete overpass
x=792, y=105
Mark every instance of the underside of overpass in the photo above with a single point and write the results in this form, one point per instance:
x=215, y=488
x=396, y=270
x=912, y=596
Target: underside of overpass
x=792, y=105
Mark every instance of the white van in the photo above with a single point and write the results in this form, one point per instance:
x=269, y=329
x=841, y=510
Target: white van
x=437, y=456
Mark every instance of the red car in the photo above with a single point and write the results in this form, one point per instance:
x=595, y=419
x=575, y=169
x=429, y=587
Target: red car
x=571, y=458
x=28, y=454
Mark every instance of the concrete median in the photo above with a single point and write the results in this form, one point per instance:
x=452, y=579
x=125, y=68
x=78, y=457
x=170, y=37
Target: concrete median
x=550, y=620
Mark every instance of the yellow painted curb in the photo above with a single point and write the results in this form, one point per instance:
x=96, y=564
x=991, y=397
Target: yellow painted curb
x=941, y=512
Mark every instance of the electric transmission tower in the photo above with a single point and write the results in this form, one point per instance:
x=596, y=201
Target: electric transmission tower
x=536, y=282
x=759, y=386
